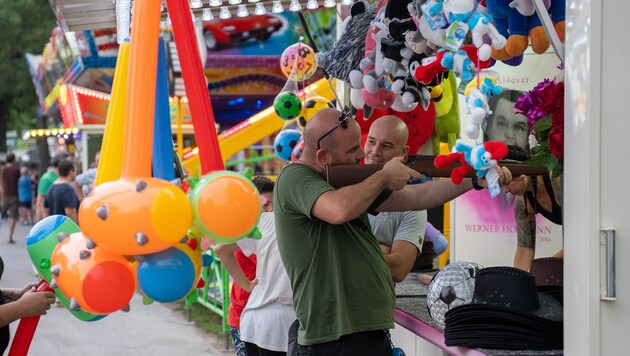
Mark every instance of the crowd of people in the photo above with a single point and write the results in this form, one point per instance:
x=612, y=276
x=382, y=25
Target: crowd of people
x=54, y=193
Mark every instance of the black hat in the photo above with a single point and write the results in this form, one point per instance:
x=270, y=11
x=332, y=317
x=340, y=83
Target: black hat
x=506, y=312
x=548, y=273
x=512, y=291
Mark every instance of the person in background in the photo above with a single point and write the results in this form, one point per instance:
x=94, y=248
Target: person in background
x=19, y=303
x=25, y=196
x=399, y=233
x=269, y=312
x=10, y=204
x=61, y=198
x=343, y=292
x=534, y=195
x=45, y=182
x=86, y=179
x=247, y=264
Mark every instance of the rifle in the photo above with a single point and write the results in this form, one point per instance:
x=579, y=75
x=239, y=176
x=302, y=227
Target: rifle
x=343, y=175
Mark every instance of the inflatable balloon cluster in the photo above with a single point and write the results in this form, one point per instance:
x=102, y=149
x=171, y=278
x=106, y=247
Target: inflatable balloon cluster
x=298, y=63
x=137, y=227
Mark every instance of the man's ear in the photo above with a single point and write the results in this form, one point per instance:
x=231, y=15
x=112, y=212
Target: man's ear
x=322, y=156
x=406, y=151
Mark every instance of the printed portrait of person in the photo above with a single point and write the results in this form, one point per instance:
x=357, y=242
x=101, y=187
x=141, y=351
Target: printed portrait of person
x=504, y=124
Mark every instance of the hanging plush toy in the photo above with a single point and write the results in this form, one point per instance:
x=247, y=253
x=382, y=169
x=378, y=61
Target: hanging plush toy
x=398, y=21
x=477, y=96
x=480, y=158
x=519, y=23
x=433, y=66
x=370, y=76
x=405, y=85
x=463, y=16
x=348, y=51
x=447, y=126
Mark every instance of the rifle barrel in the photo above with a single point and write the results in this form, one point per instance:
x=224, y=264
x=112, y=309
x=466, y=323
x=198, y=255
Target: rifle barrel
x=343, y=175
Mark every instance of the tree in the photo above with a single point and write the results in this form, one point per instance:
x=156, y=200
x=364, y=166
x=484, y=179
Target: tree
x=25, y=27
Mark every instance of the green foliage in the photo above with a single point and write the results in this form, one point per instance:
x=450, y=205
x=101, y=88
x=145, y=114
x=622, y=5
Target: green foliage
x=25, y=27
x=541, y=155
x=543, y=126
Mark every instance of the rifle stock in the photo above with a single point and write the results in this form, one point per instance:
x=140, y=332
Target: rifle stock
x=343, y=175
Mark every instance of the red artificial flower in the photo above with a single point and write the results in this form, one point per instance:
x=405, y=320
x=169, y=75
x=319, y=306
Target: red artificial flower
x=557, y=118
x=556, y=142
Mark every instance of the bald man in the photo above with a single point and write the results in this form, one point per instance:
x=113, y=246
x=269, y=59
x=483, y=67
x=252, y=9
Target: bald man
x=343, y=291
x=399, y=233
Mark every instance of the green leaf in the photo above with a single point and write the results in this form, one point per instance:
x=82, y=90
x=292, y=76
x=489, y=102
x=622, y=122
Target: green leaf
x=543, y=124
x=558, y=169
x=538, y=150
x=540, y=159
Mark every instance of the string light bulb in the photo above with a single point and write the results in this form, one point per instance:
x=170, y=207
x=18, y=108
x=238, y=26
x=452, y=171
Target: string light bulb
x=215, y=3
x=234, y=2
x=330, y=3
x=225, y=13
x=312, y=4
x=346, y=2
x=206, y=15
x=277, y=7
x=295, y=6
x=260, y=9
x=196, y=4
x=242, y=11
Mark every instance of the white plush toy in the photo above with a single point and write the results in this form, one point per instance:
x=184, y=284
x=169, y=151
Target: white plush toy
x=479, y=24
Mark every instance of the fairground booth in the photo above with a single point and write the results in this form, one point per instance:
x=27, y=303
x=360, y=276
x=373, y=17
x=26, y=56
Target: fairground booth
x=478, y=84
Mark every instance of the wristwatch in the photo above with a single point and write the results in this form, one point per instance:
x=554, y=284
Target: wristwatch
x=475, y=184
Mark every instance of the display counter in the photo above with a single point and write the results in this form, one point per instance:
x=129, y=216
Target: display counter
x=416, y=332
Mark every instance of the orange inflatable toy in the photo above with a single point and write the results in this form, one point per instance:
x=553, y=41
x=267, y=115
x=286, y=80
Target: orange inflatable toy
x=97, y=281
x=136, y=216
x=226, y=207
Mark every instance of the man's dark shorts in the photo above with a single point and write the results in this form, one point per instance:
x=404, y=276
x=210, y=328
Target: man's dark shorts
x=10, y=207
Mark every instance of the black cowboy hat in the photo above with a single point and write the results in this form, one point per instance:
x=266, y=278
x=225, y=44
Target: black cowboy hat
x=506, y=312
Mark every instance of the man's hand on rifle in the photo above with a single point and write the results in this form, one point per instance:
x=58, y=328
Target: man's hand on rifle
x=398, y=174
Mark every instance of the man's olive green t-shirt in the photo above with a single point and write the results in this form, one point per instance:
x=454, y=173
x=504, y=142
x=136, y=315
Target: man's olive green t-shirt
x=341, y=282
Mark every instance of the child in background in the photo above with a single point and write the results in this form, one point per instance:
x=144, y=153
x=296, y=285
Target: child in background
x=239, y=296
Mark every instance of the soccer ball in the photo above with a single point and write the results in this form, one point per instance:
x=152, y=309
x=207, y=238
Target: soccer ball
x=285, y=142
x=287, y=105
x=311, y=106
x=452, y=286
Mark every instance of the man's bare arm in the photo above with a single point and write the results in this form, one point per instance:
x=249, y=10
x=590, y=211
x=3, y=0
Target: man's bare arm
x=400, y=259
x=344, y=204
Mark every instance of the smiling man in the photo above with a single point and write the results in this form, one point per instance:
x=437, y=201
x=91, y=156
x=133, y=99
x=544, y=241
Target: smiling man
x=400, y=233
